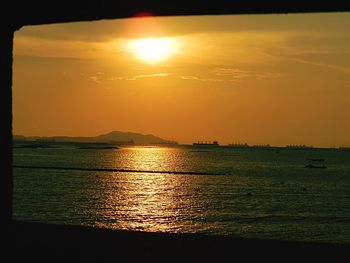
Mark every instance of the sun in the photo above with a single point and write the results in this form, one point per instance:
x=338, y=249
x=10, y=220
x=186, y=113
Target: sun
x=153, y=50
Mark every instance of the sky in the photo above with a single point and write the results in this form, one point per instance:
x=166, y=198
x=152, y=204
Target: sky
x=256, y=79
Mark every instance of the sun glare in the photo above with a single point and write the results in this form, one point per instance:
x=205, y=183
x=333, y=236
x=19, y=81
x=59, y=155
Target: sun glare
x=153, y=50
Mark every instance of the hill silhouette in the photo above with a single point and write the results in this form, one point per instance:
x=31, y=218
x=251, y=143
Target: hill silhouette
x=111, y=137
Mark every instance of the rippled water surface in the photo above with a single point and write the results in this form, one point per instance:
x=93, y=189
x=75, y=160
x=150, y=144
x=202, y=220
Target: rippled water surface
x=264, y=193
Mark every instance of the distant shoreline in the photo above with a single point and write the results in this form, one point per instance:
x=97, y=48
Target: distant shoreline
x=106, y=145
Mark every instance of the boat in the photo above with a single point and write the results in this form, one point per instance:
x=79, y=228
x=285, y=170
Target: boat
x=317, y=163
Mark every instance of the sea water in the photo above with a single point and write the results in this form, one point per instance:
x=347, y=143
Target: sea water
x=249, y=192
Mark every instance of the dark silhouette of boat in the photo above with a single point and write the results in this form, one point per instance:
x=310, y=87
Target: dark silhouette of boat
x=317, y=163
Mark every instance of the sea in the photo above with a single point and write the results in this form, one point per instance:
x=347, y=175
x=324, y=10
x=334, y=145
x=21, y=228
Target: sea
x=264, y=193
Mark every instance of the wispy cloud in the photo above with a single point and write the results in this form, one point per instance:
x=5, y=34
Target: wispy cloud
x=200, y=79
x=324, y=65
x=154, y=75
x=99, y=78
x=237, y=74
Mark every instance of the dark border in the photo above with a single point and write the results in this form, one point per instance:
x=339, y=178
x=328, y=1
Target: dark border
x=50, y=242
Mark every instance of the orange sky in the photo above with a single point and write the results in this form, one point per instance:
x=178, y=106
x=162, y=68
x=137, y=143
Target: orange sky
x=260, y=79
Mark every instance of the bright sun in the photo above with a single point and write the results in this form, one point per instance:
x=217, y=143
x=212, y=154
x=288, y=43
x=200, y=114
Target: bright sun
x=153, y=50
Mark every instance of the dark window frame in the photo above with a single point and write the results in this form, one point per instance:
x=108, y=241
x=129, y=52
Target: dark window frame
x=16, y=15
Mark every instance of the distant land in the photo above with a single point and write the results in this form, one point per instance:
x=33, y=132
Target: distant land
x=119, y=138
x=114, y=137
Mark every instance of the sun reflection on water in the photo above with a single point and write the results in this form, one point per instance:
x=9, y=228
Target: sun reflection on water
x=147, y=201
x=151, y=159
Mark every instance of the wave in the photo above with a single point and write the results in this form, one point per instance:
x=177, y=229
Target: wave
x=115, y=170
x=284, y=218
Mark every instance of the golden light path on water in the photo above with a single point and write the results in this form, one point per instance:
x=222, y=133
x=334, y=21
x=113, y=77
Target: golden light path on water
x=148, y=201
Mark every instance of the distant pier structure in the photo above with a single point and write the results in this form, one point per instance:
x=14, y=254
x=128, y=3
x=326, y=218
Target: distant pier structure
x=238, y=145
x=299, y=146
x=206, y=143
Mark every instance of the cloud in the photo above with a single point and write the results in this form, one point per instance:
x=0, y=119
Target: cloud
x=94, y=79
x=41, y=47
x=98, y=78
x=324, y=65
x=290, y=50
x=236, y=74
x=226, y=74
x=152, y=75
x=200, y=79
x=155, y=75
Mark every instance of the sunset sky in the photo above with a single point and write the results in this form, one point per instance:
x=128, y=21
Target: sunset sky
x=260, y=79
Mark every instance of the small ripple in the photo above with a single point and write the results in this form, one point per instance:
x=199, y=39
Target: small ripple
x=116, y=170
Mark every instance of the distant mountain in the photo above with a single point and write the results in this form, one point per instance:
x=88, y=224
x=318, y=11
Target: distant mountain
x=117, y=137
x=130, y=136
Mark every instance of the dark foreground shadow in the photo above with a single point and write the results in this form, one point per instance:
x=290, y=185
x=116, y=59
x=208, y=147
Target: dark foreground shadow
x=56, y=243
